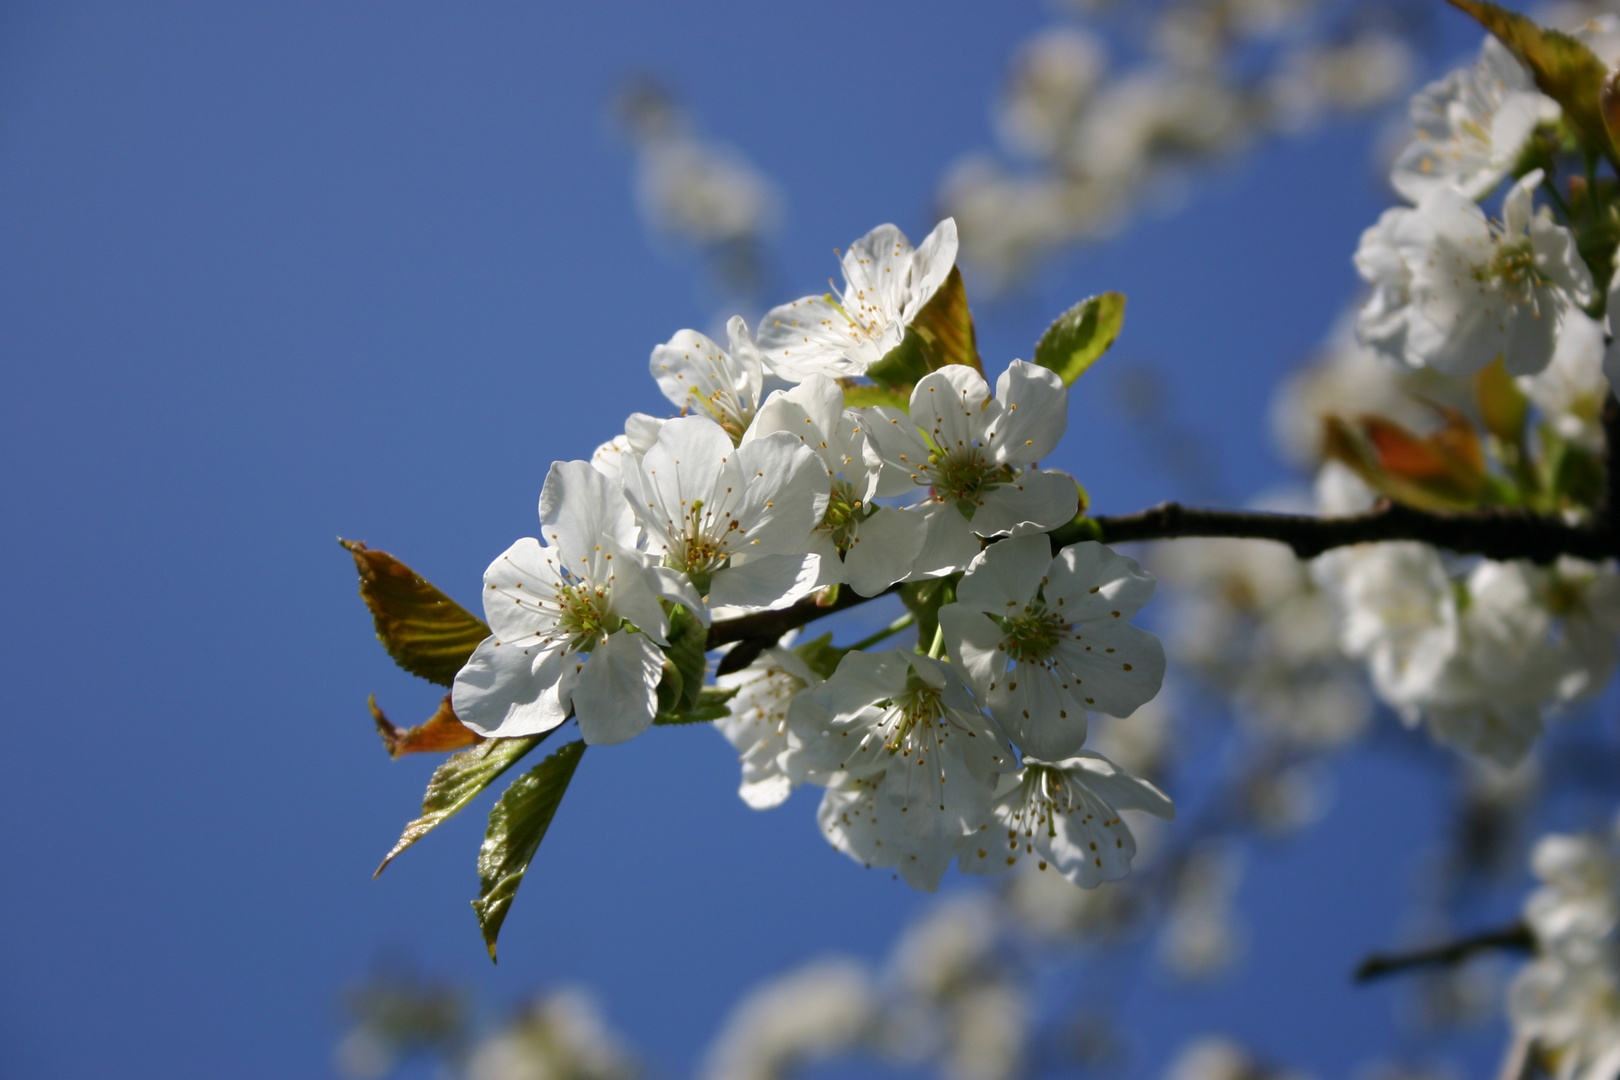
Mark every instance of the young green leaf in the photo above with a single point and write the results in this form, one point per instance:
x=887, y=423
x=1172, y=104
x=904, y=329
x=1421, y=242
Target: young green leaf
x=458, y=781
x=441, y=732
x=517, y=824
x=1564, y=68
x=426, y=632
x=858, y=395
x=1081, y=335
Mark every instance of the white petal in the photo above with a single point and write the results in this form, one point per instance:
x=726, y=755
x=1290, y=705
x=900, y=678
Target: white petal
x=784, y=497
x=578, y=508
x=617, y=693
x=1090, y=581
x=1005, y=576
x=1038, y=713
x=949, y=545
x=975, y=646
x=1116, y=668
x=1117, y=787
x=953, y=407
x=1044, y=498
x=521, y=579
x=771, y=581
x=884, y=549
x=1035, y=416
x=508, y=690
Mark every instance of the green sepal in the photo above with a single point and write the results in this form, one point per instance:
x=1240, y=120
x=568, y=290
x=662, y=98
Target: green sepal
x=712, y=704
x=517, y=824
x=1079, y=337
x=924, y=599
x=1564, y=69
x=820, y=655
x=457, y=781
x=688, y=642
x=426, y=632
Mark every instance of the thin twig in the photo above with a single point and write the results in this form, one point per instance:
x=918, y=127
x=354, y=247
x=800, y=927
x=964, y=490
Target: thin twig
x=1516, y=937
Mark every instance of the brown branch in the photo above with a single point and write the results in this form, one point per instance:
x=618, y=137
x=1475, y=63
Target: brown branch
x=1516, y=937
x=1494, y=533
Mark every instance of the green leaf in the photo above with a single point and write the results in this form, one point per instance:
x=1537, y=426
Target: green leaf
x=945, y=326
x=426, y=632
x=1081, y=335
x=710, y=705
x=458, y=781
x=1565, y=69
x=517, y=824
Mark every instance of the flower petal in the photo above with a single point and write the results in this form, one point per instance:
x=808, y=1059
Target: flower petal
x=617, y=693
x=508, y=690
x=1034, y=418
x=1004, y=577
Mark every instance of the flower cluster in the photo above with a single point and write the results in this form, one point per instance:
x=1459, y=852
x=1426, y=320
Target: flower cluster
x=1568, y=998
x=969, y=748
x=1492, y=337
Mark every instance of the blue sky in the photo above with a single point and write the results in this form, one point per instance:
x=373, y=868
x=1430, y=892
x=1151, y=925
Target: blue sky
x=278, y=273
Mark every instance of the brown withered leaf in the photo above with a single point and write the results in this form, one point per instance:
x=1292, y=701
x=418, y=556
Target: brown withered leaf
x=426, y=632
x=441, y=732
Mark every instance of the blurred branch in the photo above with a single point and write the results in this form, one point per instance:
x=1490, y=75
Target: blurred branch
x=1496, y=533
x=1516, y=937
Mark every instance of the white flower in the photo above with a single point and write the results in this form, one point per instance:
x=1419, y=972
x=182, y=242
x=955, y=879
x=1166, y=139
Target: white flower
x=818, y=1011
x=972, y=456
x=576, y=623
x=560, y=1035
x=858, y=542
x=1470, y=127
x=730, y=516
x=886, y=283
x=1481, y=290
x=1065, y=813
x=1382, y=323
x=1585, y=598
x=909, y=760
x=1489, y=696
x=1043, y=639
x=758, y=724
x=701, y=378
x=1053, y=78
x=1568, y=997
x=1400, y=616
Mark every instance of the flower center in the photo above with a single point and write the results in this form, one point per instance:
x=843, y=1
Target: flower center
x=726, y=410
x=1032, y=637
x=844, y=514
x=584, y=616
x=1041, y=800
x=1512, y=270
x=699, y=551
x=964, y=476
x=911, y=718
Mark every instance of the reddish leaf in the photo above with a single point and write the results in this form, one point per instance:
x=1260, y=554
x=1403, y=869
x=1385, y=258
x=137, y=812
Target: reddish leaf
x=440, y=733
